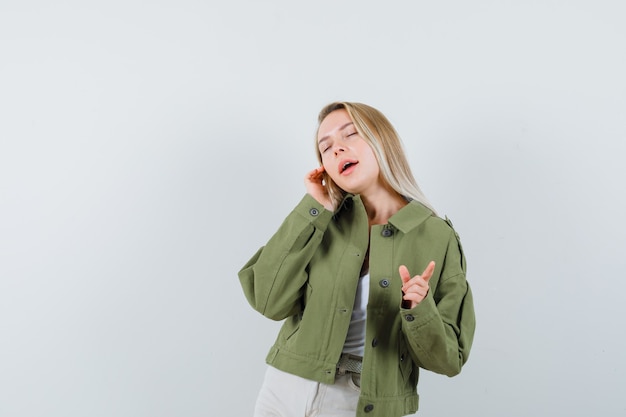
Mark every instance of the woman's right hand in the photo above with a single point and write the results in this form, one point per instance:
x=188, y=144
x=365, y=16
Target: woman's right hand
x=313, y=181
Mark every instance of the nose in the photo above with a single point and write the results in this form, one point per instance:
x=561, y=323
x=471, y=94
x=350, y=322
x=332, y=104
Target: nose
x=338, y=148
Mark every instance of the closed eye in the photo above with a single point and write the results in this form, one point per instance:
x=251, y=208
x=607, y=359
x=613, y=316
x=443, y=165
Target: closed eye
x=324, y=145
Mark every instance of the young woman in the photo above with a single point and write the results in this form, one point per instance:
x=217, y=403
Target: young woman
x=370, y=282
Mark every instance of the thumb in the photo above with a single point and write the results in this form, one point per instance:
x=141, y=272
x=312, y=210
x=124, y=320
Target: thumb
x=404, y=274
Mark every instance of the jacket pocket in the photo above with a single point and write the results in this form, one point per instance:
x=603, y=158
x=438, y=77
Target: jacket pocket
x=307, y=296
x=290, y=327
x=404, y=360
x=292, y=324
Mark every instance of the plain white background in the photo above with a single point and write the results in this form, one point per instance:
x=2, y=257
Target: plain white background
x=147, y=149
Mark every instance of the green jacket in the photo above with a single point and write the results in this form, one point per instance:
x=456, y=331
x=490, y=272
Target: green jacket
x=308, y=273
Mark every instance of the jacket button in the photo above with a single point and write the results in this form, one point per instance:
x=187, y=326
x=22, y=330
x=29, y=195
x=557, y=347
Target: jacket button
x=314, y=212
x=409, y=317
x=387, y=232
x=384, y=282
x=374, y=342
x=402, y=358
x=368, y=408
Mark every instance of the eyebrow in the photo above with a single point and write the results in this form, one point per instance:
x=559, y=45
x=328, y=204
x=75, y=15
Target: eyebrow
x=323, y=138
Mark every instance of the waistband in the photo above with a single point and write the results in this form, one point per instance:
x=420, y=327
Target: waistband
x=349, y=363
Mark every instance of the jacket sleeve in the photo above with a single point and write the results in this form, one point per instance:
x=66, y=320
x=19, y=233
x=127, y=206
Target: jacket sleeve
x=273, y=280
x=440, y=329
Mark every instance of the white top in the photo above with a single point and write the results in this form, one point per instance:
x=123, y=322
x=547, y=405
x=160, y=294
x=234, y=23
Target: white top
x=355, y=340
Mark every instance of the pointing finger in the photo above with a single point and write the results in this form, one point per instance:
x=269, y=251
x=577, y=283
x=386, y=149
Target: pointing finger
x=428, y=272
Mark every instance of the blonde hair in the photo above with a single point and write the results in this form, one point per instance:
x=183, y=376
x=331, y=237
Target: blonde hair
x=380, y=135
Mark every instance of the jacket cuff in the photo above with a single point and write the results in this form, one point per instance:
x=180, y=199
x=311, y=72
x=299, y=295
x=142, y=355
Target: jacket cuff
x=421, y=314
x=311, y=209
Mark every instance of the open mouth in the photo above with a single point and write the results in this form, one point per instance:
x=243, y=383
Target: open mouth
x=345, y=165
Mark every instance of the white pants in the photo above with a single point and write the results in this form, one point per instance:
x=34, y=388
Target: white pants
x=286, y=395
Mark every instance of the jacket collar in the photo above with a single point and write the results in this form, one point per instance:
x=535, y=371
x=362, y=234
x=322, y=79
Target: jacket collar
x=406, y=219
x=410, y=216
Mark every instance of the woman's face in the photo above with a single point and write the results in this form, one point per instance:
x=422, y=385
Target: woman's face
x=346, y=157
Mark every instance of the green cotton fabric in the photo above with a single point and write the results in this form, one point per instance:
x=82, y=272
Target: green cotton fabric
x=307, y=275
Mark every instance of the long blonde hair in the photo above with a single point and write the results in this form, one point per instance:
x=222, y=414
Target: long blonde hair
x=385, y=142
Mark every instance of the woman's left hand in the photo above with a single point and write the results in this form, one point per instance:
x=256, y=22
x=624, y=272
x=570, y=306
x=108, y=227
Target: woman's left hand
x=415, y=289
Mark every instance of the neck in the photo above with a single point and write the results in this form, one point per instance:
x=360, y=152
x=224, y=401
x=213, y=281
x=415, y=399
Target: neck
x=381, y=206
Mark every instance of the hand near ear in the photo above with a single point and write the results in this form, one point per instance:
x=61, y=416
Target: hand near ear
x=415, y=289
x=314, y=183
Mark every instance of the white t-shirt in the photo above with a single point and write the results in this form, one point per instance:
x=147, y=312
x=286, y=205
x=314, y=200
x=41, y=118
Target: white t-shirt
x=355, y=340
